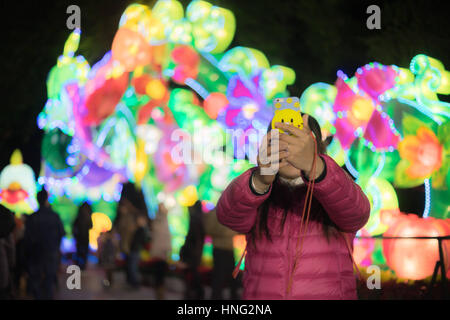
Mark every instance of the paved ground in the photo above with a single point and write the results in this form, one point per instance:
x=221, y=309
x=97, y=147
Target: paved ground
x=92, y=287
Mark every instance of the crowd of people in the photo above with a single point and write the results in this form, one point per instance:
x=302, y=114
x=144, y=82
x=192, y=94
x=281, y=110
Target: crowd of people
x=30, y=251
x=30, y=254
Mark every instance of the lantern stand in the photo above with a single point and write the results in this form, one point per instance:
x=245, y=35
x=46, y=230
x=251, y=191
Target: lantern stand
x=441, y=264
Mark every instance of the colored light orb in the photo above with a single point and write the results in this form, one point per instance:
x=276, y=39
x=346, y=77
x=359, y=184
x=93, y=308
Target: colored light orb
x=130, y=49
x=188, y=196
x=155, y=89
x=215, y=103
x=100, y=223
x=362, y=109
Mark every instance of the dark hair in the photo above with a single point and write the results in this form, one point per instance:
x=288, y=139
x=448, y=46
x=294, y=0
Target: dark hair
x=134, y=196
x=281, y=197
x=42, y=197
x=196, y=208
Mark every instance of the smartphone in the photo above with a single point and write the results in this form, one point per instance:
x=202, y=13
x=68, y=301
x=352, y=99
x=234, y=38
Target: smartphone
x=287, y=110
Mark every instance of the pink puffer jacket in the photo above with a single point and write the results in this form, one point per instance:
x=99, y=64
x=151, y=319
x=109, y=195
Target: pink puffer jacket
x=325, y=269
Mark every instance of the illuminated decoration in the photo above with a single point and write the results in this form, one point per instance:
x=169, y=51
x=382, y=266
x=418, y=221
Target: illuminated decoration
x=390, y=129
x=18, y=186
x=317, y=100
x=212, y=27
x=100, y=223
x=382, y=198
x=114, y=122
x=421, y=153
x=431, y=79
x=415, y=259
x=357, y=115
x=247, y=111
x=130, y=49
x=69, y=69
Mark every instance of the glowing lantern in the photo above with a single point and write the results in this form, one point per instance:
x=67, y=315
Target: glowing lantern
x=215, y=103
x=18, y=186
x=100, y=223
x=130, y=49
x=415, y=259
x=188, y=196
x=141, y=164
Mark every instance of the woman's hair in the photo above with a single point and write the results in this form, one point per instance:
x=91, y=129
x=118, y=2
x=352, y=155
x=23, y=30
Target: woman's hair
x=196, y=208
x=283, y=196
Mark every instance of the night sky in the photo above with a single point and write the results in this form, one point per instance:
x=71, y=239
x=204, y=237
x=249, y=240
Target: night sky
x=315, y=38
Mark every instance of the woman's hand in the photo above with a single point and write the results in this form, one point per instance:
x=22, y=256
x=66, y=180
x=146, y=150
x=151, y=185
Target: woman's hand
x=271, y=157
x=300, y=147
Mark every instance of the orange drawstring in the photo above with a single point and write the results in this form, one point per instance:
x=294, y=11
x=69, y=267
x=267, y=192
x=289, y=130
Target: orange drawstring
x=308, y=202
x=350, y=251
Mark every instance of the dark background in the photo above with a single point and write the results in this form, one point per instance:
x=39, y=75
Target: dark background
x=315, y=38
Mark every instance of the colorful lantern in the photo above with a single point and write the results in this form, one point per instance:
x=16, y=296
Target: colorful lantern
x=415, y=259
x=18, y=186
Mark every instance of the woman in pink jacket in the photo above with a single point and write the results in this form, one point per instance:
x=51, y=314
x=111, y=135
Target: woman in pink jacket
x=268, y=210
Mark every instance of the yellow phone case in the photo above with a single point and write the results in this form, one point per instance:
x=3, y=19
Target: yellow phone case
x=287, y=110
